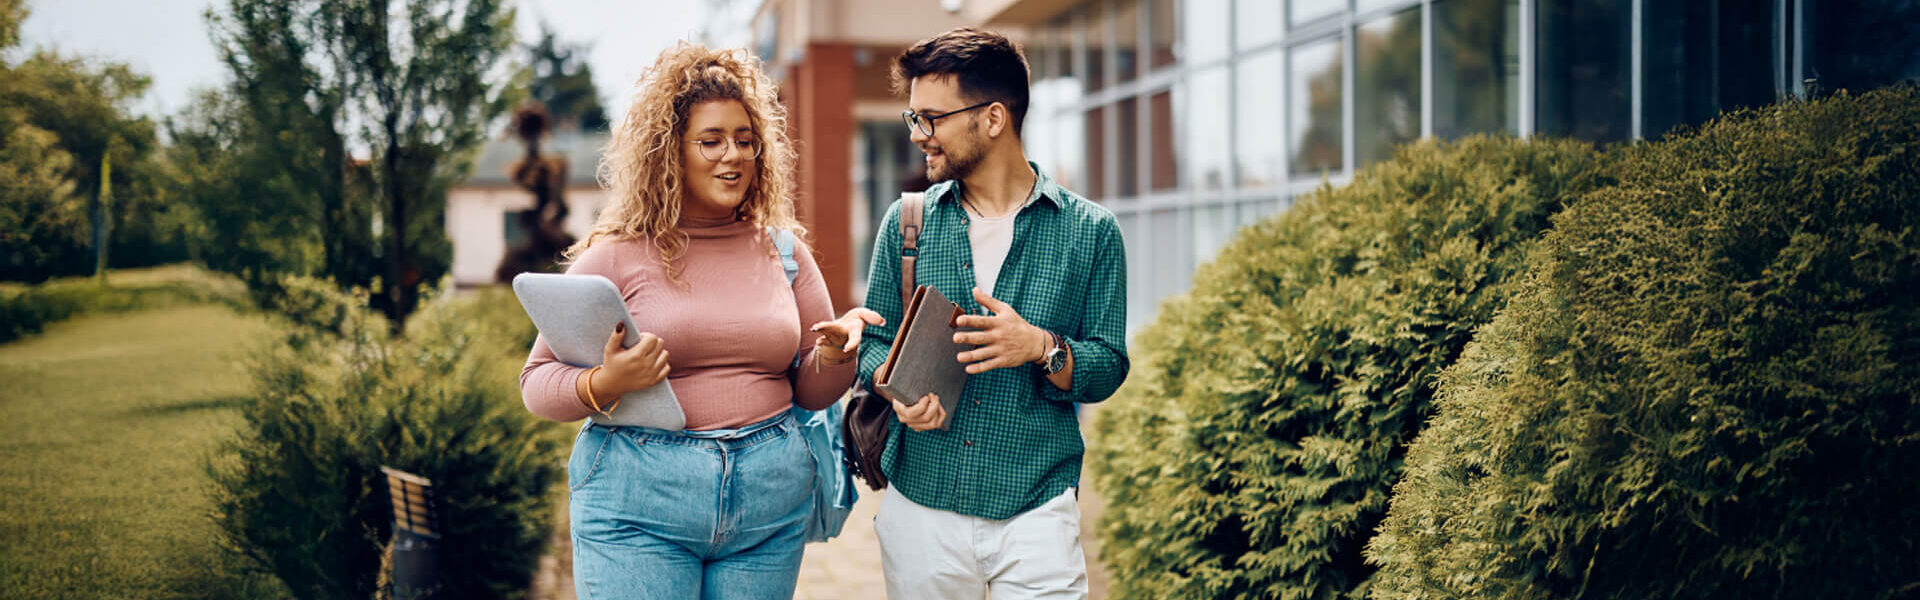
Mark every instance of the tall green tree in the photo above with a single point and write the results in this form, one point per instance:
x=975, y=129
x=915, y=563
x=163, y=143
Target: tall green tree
x=258, y=214
x=564, y=82
x=413, y=84
x=433, y=88
x=63, y=117
x=285, y=163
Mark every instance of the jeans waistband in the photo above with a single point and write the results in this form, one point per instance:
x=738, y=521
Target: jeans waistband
x=743, y=436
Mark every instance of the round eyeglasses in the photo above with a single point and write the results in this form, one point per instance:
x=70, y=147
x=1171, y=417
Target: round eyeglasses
x=924, y=122
x=715, y=149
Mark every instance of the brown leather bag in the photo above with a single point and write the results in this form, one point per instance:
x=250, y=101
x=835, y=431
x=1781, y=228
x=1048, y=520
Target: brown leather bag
x=869, y=415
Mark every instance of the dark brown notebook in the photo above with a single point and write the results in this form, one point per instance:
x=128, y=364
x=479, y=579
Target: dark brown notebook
x=924, y=358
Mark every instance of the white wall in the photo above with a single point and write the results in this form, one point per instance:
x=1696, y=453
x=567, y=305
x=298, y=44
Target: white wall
x=476, y=224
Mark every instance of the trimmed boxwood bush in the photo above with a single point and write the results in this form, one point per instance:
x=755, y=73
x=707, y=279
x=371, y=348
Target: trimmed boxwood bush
x=1255, y=448
x=299, y=492
x=1708, y=386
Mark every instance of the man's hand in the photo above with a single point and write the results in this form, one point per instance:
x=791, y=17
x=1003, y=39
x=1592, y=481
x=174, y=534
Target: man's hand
x=840, y=338
x=628, y=369
x=923, y=415
x=1004, y=340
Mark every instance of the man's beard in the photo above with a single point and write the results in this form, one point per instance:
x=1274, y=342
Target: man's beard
x=958, y=166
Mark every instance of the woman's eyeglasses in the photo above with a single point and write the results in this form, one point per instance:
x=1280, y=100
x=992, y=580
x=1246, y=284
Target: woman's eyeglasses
x=715, y=149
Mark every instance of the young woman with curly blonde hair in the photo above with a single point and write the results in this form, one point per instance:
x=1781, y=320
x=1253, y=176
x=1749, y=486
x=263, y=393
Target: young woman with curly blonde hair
x=699, y=171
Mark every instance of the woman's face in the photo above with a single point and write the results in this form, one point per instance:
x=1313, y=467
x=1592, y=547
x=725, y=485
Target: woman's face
x=717, y=159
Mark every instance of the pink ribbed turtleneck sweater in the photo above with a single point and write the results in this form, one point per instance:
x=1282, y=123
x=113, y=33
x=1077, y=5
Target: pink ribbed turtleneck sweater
x=731, y=327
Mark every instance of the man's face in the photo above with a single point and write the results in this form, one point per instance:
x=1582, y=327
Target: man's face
x=955, y=148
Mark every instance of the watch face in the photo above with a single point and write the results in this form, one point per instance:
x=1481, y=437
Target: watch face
x=1056, y=360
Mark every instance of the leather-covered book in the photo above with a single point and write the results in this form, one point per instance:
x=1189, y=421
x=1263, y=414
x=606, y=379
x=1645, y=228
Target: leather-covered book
x=924, y=358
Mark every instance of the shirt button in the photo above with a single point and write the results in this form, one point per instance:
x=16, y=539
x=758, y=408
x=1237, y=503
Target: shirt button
x=966, y=265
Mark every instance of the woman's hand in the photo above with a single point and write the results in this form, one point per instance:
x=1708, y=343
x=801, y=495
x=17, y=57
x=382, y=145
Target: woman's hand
x=628, y=369
x=840, y=338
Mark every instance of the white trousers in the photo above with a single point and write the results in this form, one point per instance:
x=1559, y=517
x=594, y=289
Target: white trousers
x=936, y=554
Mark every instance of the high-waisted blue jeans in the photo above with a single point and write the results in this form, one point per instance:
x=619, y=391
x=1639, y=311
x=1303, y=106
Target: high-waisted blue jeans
x=689, y=514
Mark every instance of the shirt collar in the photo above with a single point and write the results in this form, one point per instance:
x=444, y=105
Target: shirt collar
x=1043, y=187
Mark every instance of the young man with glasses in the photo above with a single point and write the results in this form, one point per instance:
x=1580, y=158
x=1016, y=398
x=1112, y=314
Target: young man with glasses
x=988, y=505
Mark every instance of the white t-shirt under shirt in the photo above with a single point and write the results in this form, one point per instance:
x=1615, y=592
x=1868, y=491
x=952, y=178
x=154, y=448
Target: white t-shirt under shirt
x=992, y=239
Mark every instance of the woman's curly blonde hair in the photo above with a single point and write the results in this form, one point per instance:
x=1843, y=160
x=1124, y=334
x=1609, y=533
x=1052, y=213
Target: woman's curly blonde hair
x=641, y=165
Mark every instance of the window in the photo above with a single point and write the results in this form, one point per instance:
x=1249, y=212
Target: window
x=1862, y=44
x=1259, y=148
x=1700, y=63
x=1128, y=150
x=1307, y=11
x=1171, y=258
x=1583, y=88
x=1386, y=85
x=1165, y=169
x=1201, y=25
x=1257, y=23
x=1163, y=25
x=1364, y=6
x=1095, y=28
x=1314, y=101
x=1138, y=308
x=1476, y=67
x=1213, y=226
x=1096, y=183
x=1208, y=143
x=1126, y=47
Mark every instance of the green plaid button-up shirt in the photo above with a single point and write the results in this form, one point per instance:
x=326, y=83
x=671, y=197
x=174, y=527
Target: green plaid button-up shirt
x=1014, y=442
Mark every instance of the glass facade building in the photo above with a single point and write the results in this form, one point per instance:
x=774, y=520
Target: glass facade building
x=1191, y=118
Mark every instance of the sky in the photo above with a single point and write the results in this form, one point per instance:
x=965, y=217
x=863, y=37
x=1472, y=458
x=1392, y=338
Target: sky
x=168, y=39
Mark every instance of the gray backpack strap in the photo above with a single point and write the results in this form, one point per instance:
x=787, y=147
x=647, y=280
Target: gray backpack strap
x=912, y=214
x=783, y=240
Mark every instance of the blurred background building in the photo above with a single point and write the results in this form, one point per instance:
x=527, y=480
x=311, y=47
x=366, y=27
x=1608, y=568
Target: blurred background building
x=483, y=213
x=1191, y=118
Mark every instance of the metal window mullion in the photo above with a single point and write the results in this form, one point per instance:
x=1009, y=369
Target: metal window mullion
x=1529, y=31
x=1638, y=74
x=1780, y=45
x=1143, y=106
x=1286, y=113
x=1798, y=80
x=1426, y=68
x=1347, y=74
x=1375, y=13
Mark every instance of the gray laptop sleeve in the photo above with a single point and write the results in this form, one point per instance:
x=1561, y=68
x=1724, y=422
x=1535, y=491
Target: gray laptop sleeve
x=575, y=314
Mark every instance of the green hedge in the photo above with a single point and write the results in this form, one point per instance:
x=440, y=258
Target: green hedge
x=1254, y=450
x=1708, y=386
x=27, y=310
x=300, y=492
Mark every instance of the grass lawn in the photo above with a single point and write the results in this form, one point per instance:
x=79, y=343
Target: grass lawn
x=106, y=422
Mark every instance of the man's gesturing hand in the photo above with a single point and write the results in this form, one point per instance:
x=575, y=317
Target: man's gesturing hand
x=1004, y=339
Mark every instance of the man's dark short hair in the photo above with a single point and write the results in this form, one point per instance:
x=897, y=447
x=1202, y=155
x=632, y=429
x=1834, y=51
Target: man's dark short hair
x=988, y=66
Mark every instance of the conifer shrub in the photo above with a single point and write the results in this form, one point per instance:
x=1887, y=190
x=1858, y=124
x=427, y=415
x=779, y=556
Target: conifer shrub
x=299, y=491
x=1707, y=386
x=1254, y=449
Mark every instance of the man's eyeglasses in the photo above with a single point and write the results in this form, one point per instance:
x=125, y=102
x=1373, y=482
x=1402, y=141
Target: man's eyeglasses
x=715, y=149
x=924, y=122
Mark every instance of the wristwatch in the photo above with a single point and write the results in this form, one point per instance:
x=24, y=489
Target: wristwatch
x=1055, y=358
